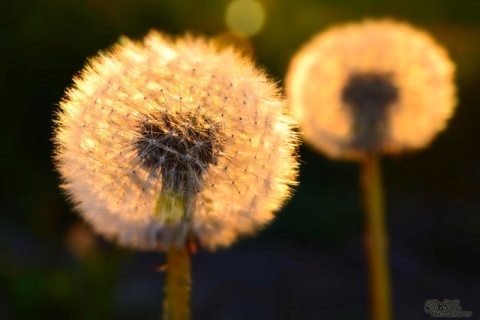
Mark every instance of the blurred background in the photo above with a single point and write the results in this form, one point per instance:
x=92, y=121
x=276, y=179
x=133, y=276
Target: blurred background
x=308, y=264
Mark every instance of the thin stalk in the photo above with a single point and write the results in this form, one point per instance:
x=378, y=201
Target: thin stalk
x=376, y=240
x=178, y=284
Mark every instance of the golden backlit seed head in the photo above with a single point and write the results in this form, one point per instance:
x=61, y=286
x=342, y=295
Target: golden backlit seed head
x=371, y=87
x=166, y=138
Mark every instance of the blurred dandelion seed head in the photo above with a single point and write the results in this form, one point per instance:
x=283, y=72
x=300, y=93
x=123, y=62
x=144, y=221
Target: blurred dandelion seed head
x=166, y=137
x=371, y=87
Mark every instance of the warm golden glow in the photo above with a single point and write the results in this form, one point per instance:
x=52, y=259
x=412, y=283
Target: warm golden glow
x=182, y=117
x=241, y=43
x=418, y=68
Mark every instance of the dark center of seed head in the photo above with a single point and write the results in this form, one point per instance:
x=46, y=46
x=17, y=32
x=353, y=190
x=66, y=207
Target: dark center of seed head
x=369, y=91
x=368, y=97
x=180, y=146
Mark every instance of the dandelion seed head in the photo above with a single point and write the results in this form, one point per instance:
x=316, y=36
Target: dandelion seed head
x=371, y=87
x=169, y=137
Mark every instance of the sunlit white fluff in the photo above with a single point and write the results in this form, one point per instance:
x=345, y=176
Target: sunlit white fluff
x=97, y=129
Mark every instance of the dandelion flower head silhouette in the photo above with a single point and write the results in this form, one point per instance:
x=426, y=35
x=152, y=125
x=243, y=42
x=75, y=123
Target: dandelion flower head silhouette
x=371, y=87
x=165, y=138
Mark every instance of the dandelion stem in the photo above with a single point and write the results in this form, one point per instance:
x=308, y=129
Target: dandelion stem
x=178, y=286
x=376, y=239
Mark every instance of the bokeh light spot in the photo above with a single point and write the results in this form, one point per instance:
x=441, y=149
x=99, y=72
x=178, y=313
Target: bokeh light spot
x=245, y=17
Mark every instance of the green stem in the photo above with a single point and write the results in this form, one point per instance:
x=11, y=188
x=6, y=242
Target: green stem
x=178, y=286
x=376, y=241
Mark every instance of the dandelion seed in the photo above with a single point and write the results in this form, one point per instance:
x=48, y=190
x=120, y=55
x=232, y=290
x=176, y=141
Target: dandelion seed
x=165, y=138
x=373, y=87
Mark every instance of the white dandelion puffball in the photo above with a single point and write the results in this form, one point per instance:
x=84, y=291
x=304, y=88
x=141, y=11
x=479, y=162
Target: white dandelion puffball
x=167, y=139
x=371, y=87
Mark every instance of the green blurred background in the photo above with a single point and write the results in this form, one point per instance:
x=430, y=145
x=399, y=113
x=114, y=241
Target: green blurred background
x=309, y=264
